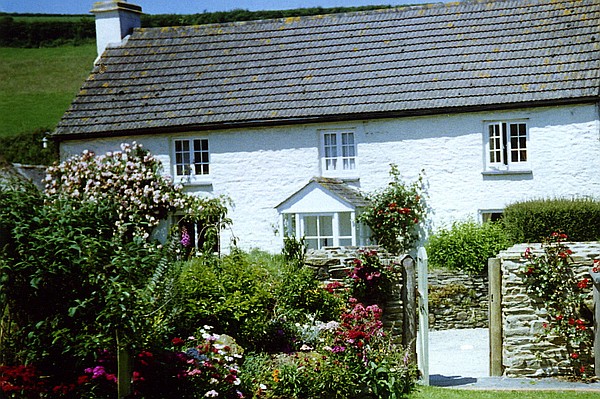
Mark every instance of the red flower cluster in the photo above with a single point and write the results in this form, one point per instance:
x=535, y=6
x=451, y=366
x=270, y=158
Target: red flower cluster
x=331, y=287
x=583, y=283
x=359, y=325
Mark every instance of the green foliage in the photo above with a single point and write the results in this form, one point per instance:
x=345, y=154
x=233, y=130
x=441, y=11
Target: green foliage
x=45, y=33
x=294, y=250
x=396, y=214
x=532, y=221
x=26, y=148
x=466, y=246
x=239, y=15
x=300, y=293
x=232, y=294
x=78, y=277
x=550, y=279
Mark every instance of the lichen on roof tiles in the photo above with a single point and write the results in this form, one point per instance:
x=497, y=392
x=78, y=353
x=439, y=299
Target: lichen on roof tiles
x=400, y=61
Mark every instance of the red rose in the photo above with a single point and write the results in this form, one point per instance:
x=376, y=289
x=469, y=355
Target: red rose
x=177, y=341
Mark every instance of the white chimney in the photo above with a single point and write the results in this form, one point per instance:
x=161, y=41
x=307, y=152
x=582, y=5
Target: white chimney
x=114, y=21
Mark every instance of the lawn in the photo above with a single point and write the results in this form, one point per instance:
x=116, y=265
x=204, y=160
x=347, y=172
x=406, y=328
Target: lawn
x=447, y=393
x=38, y=85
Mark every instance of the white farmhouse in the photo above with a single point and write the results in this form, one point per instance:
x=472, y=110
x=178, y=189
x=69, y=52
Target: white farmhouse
x=496, y=100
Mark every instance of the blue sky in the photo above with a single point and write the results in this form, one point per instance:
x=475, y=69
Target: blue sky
x=189, y=6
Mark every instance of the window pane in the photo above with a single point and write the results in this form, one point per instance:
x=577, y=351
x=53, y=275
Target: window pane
x=345, y=224
x=495, y=143
x=326, y=226
x=345, y=242
x=310, y=226
x=312, y=243
x=325, y=242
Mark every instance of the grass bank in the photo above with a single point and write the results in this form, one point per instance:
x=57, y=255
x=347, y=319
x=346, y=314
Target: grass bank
x=38, y=85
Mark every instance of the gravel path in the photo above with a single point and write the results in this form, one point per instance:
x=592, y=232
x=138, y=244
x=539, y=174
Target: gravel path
x=460, y=359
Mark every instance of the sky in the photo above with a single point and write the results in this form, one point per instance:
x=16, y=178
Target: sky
x=189, y=6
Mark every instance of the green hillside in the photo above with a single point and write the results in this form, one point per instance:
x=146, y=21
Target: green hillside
x=38, y=85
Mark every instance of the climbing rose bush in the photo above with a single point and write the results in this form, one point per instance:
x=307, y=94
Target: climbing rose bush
x=397, y=214
x=130, y=178
x=551, y=279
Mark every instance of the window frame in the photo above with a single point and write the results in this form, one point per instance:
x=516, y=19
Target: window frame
x=501, y=147
x=198, y=170
x=294, y=225
x=346, y=153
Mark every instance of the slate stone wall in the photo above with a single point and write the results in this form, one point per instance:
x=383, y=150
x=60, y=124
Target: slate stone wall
x=523, y=353
x=332, y=264
x=457, y=300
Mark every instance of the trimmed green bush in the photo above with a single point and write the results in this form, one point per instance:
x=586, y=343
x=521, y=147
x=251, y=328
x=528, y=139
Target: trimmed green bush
x=466, y=246
x=532, y=221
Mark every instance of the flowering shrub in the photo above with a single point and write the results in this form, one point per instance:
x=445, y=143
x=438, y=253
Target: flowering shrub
x=351, y=358
x=130, y=178
x=370, y=280
x=202, y=366
x=396, y=214
x=551, y=279
x=21, y=382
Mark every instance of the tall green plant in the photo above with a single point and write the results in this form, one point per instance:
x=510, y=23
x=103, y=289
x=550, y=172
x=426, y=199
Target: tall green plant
x=466, y=246
x=396, y=215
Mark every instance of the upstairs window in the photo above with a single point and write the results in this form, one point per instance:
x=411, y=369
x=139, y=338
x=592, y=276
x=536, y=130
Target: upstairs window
x=507, y=146
x=338, y=149
x=191, y=157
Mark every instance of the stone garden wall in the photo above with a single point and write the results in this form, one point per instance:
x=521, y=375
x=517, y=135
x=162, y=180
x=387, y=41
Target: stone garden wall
x=457, y=300
x=523, y=354
x=332, y=263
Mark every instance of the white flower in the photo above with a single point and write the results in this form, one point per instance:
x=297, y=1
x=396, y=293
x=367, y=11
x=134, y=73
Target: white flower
x=211, y=394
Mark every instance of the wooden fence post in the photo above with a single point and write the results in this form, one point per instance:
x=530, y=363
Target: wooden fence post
x=495, y=316
x=409, y=300
x=124, y=371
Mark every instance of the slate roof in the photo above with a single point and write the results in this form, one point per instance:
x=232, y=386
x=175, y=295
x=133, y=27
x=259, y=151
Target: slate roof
x=476, y=54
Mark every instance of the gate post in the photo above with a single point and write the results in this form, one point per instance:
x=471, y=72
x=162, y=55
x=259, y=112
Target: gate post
x=422, y=274
x=409, y=300
x=595, y=274
x=495, y=316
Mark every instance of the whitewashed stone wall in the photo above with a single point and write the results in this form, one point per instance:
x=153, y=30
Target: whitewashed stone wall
x=258, y=168
x=522, y=317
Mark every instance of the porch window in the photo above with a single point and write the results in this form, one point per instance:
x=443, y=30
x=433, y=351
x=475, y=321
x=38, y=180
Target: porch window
x=322, y=229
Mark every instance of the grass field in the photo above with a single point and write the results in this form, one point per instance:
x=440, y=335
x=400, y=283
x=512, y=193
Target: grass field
x=37, y=85
x=447, y=393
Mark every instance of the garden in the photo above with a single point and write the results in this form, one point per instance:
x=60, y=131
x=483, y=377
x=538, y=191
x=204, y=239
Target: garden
x=93, y=306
